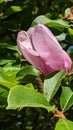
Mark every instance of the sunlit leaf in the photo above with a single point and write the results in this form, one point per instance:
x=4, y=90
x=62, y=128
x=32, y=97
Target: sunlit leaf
x=51, y=84
x=40, y=19
x=66, y=100
x=28, y=70
x=12, y=9
x=64, y=124
x=8, y=84
x=58, y=24
x=1, y=1
x=11, y=47
x=8, y=76
x=26, y=96
x=61, y=37
x=5, y=61
x=10, y=72
x=70, y=30
x=67, y=11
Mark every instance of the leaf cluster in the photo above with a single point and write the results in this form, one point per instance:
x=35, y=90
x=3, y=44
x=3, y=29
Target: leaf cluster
x=28, y=100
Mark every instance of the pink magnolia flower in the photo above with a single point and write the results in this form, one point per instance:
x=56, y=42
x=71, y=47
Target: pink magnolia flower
x=40, y=47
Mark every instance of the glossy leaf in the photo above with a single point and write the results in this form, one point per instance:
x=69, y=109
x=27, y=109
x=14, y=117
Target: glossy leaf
x=64, y=124
x=5, y=61
x=67, y=11
x=8, y=84
x=26, y=96
x=61, y=37
x=28, y=70
x=10, y=72
x=51, y=84
x=70, y=30
x=66, y=100
x=40, y=19
x=59, y=23
x=8, y=76
x=11, y=47
x=12, y=9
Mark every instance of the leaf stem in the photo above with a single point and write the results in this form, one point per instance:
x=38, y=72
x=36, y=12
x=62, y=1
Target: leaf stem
x=59, y=114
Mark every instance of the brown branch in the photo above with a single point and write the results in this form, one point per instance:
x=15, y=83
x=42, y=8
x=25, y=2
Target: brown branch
x=39, y=84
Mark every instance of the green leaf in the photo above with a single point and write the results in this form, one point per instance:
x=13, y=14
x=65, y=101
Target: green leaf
x=28, y=70
x=66, y=99
x=8, y=84
x=58, y=24
x=3, y=91
x=51, y=85
x=64, y=124
x=5, y=61
x=3, y=96
x=1, y=1
x=10, y=72
x=8, y=75
x=67, y=11
x=26, y=96
x=11, y=47
x=70, y=30
x=61, y=37
x=12, y=9
x=40, y=19
x=16, y=8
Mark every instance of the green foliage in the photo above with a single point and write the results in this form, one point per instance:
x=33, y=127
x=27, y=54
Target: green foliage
x=12, y=9
x=52, y=84
x=66, y=100
x=61, y=37
x=64, y=124
x=28, y=70
x=8, y=76
x=29, y=97
x=3, y=96
x=58, y=24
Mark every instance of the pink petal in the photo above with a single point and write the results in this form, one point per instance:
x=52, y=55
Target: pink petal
x=40, y=47
x=23, y=37
x=29, y=32
x=26, y=49
x=48, y=48
x=67, y=61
